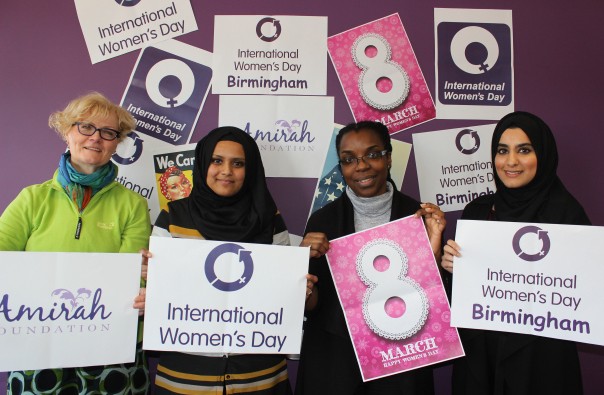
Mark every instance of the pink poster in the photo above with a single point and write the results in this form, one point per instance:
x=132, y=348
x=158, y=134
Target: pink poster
x=396, y=310
x=380, y=75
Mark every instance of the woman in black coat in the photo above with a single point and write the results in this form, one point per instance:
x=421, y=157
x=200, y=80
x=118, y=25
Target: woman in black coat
x=525, y=160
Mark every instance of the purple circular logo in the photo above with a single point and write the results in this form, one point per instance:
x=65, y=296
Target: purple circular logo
x=137, y=143
x=474, y=135
x=541, y=234
x=127, y=3
x=245, y=258
x=276, y=26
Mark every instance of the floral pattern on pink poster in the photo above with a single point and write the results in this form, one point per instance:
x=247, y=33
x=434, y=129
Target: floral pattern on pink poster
x=390, y=289
x=380, y=75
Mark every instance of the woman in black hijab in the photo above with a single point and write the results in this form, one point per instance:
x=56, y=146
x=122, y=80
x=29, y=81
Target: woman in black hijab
x=229, y=202
x=525, y=159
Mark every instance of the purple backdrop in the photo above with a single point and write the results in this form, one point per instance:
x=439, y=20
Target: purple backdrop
x=558, y=70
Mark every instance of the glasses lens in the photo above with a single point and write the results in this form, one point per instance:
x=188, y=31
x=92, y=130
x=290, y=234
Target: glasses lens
x=109, y=134
x=86, y=129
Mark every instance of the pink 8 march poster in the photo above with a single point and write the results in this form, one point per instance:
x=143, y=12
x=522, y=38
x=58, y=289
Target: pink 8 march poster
x=380, y=75
x=396, y=309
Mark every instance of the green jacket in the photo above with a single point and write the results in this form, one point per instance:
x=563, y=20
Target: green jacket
x=43, y=218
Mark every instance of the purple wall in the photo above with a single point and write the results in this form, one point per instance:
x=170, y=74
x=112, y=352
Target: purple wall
x=558, y=70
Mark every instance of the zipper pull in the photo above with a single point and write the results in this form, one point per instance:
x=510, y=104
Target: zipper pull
x=78, y=228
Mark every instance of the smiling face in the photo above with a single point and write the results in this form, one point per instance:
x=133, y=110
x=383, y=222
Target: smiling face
x=368, y=177
x=226, y=172
x=89, y=153
x=178, y=187
x=515, y=159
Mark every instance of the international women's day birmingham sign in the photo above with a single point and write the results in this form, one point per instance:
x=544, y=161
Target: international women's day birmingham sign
x=537, y=279
x=67, y=309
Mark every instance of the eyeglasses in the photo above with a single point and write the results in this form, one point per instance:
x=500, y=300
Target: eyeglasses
x=88, y=129
x=373, y=156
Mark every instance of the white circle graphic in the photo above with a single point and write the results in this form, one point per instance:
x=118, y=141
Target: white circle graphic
x=170, y=67
x=467, y=36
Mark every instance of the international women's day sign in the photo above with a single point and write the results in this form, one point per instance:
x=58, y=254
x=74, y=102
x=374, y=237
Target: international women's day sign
x=292, y=132
x=166, y=93
x=62, y=310
x=380, y=75
x=113, y=28
x=393, y=298
x=474, y=63
x=537, y=279
x=271, y=55
x=223, y=297
x=454, y=166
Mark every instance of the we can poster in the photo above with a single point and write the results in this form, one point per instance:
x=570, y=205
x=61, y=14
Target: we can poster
x=380, y=74
x=393, y=298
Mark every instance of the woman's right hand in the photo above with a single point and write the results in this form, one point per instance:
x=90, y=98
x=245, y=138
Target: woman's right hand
x=318, y=243
x=451, y=250
x=145, y=254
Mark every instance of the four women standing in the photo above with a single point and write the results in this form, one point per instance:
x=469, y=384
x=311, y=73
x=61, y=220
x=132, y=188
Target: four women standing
x=231, y=202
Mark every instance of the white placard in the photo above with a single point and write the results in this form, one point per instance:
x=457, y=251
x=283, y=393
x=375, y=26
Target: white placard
x=113, y=28
x=60, y=310
x=292, y=132
x=278, y=55
x=223, y=297
x=537, y=279
x=454, y=166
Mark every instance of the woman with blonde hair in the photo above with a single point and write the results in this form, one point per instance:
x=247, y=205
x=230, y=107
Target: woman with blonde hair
x=65, y=214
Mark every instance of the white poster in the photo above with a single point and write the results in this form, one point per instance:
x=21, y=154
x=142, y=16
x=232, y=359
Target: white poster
x=474, y=54
x=292, y=132
x=454, y=166
x=224, y=297
x=60, y=310
x=273, y=55
x=165, y=94
x=537, y=279
x=113, y=28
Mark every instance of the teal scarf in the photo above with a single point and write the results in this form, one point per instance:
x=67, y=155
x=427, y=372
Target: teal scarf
x=82, y=187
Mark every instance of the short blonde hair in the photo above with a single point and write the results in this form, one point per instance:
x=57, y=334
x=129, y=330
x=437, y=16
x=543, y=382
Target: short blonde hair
x=90, y=105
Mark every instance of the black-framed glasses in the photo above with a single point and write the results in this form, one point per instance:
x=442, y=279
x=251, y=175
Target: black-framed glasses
x=88, y=129
x=373, y=156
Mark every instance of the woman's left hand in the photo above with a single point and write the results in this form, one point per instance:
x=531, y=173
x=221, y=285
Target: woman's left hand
x=139, y=301
x=311, y=280
x=435, y=221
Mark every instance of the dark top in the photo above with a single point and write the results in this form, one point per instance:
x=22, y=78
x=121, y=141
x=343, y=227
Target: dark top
x=328, y=363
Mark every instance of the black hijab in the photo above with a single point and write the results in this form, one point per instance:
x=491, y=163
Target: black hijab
x=246, y=216
x=544, y=199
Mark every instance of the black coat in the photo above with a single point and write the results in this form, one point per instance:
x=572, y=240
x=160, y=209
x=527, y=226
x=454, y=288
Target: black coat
x=328, y=364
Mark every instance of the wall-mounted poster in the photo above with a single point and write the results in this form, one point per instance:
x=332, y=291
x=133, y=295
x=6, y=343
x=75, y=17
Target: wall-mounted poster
x=271, y=55
x=380, y=74
x=474, y=63
x=454, y=166
x=113, y=28
x=174, y=174
x=292, y=132
x=166, y=93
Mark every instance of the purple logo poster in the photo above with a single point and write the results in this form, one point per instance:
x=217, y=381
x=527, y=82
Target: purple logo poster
x=166, y=94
